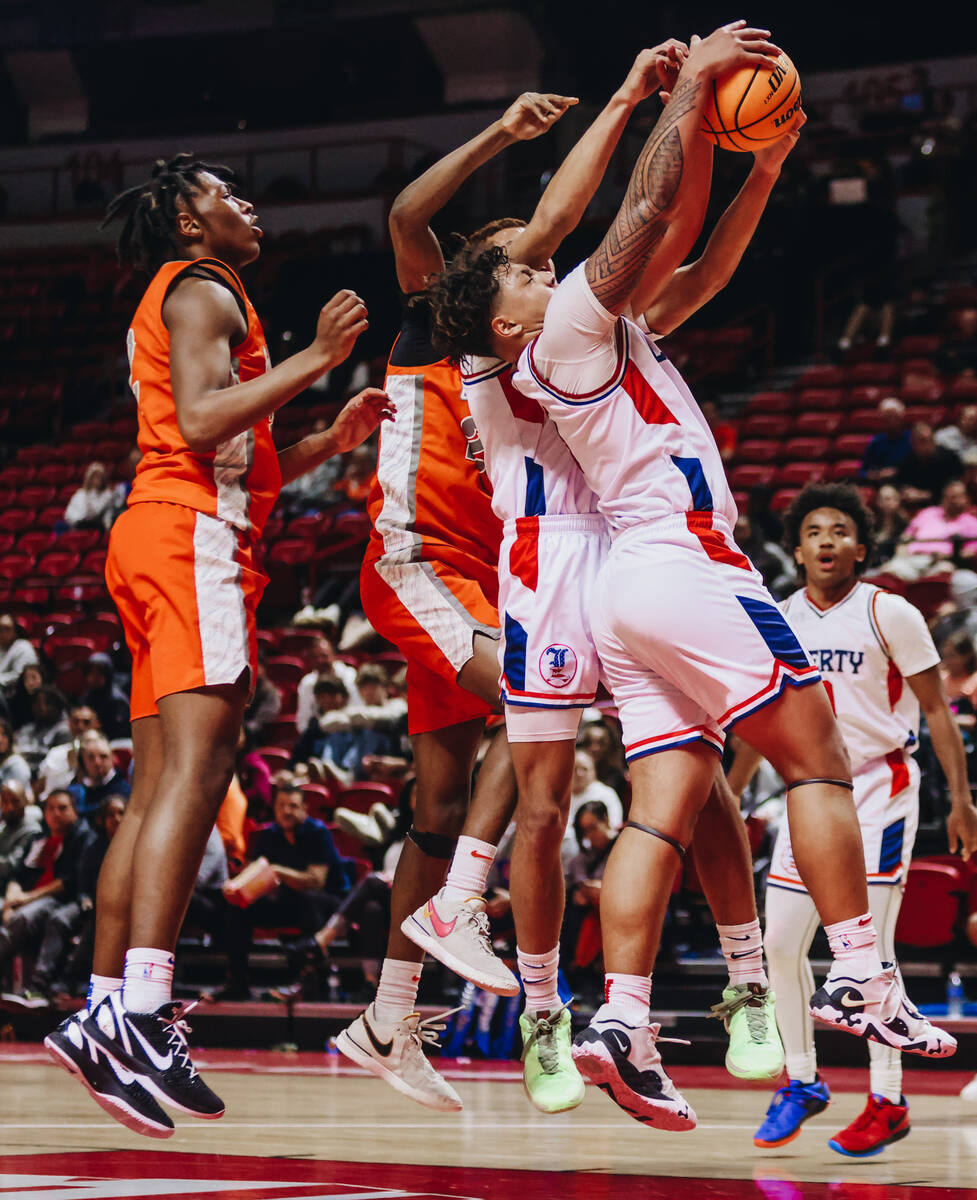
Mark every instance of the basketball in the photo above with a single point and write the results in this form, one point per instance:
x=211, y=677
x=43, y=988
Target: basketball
x=752, y=107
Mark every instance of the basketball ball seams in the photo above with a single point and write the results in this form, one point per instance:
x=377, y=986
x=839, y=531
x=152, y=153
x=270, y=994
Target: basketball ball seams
x=722, y=132
x=794, y=90
x=743, y=98
x=738, y=90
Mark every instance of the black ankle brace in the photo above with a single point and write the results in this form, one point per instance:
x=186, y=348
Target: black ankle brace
x=676, y=845
x=434, y=845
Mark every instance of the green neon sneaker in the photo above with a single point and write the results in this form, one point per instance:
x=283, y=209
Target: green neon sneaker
x=755, y=1050
x=552, y=1082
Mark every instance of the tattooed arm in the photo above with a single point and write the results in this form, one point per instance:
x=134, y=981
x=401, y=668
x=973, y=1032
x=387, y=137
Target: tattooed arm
x=659, y=182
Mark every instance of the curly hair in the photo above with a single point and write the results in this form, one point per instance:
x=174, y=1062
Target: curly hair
x=842, y=496
x=461, y=301
x=149, y=210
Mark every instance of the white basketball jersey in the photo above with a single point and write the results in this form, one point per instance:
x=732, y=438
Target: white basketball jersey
x=865, y=646
x=624, y=411
x=528, y=464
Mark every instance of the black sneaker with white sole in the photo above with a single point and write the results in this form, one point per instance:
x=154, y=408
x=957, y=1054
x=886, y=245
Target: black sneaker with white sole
x=113, y=1088
x=154, y=1047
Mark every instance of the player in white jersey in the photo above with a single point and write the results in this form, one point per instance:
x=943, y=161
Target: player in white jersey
x=879, y=666
x=690, y=639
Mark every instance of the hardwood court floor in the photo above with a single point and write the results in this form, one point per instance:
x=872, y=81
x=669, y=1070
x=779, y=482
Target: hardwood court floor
x=308, y=1126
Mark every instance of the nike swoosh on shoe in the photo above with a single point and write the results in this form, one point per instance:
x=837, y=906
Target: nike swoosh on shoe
x=441, y=928
x=160, y=1063
x=382, y=1048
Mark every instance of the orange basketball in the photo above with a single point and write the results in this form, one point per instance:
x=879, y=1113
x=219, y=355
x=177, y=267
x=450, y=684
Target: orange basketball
x=752, y=106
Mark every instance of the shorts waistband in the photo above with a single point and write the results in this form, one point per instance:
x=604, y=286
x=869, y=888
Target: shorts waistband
x=555, y=523
x=665, y=525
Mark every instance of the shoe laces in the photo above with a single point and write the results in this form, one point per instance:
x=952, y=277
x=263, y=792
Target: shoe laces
x=430, y=1028
x=655, y=1028
x=177, y=1032
x=479, y=920
x=542, y=1036
x=756, y=1012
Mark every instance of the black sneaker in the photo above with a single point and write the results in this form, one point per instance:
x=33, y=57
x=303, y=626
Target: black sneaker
x=154, y=1047
x=112, y=1087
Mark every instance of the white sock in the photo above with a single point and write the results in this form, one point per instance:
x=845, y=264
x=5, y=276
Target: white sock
x=100, y=986
x=627, y=998
x=469, y=869
x=742, y=947
x=397, y=989
x=854, y=945
x=539, y=974
x=147, y=979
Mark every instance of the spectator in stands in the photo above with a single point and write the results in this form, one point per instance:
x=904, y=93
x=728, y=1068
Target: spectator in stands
x=958, y=669
x=21, y=699
x=597, y=740
x=927, y=468
x=13, y=766
x=322, y=660
x=88, y=507
x=890, y=522
x=18, y=829
x=357, y=479
x=770, y=560
x=586, y=787
x=315, y=491
x=889, y=448
x=584, y=874
x=962, y=437
x=254, y=777
x=120, y=492
x=340, y=736
x=105, y=697
x=48, y=726
x=60, y=765
x=937, y=538
x=16, y=652
x=312, y=882
x=41, y=894
x=97, y=774
x=722, y=431
x=206, y=907
x=959, y=351
x=263, y=707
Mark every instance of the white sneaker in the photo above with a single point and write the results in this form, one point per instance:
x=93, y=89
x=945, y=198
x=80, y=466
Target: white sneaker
x=969, y=1091
x=456, y=933
x=385, y=819
x=359, y=825
x=395, y=1053
x=878, y=1008
x=624, y=1062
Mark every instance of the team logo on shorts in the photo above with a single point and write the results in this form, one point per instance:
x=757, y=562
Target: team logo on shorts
x=558, y=665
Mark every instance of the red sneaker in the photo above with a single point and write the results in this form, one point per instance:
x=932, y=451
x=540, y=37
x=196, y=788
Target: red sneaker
x=880, y=1124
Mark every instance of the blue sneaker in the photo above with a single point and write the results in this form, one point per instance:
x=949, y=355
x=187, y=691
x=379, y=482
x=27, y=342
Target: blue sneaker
x=790, y=1107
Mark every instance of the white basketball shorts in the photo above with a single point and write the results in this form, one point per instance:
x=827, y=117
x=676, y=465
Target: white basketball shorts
x=550, y=669
x=690, y=639
x=887, y=803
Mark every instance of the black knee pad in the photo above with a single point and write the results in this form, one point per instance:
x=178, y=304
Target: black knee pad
x=434, y=845
x=657, y=833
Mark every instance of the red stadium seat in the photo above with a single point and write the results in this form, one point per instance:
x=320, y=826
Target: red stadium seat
x=807, y=449
x=823, y=375
x=360, y=796
x=285, y=672
x=845, y=470
x=928, y=595
x=35, y=541
x=79, y=540
x=72, y=681
x=56, y=564
x=751, y=475
x=926, y=392
x=759, y=452
x=766, y=425
x=879, y=373
x=38, y=495
x=16, y=566
x=6, y=542
x=863, y=420
x=15, y=520
x=818, y=423
x=320, y=801
x=769, y=402
x=931, y=906
x=296, y=641
x=64, y=651
x=784, y=498
x=56, y=474
x=94, y=562
x=963, y=390
x=33, y=594
x=918, y=345
x=291, y=551
x=307, y=528
x=850, y=445
x=50, y=516
x=277, y=758
x=282, y=733
x=820, y=398
x=16, y=476
x=797, y=474
x=348, y=844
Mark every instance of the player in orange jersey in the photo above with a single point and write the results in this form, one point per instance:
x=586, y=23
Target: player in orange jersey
x=184, y=572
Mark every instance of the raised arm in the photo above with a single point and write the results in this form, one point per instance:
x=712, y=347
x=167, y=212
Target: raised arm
x=354, y=424
x=659, y=184
x=416, y=249
x=694, y=285
x=571, y=189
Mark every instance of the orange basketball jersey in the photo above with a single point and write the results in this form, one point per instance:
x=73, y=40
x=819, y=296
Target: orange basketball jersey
x=430, y=501
x=239, y=481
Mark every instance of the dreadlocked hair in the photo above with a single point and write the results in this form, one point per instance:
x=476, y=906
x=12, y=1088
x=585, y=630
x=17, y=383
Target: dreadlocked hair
x=461, y=300
x=842, y=496
x=149, y=211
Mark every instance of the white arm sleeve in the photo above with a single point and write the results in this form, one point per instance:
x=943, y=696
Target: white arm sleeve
x=906, y=635
x=577, y=352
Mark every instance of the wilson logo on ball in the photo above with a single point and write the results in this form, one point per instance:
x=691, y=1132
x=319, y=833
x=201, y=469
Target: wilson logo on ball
x=749, y=108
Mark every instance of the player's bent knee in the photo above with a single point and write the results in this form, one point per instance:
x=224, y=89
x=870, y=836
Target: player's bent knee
x=542, y=822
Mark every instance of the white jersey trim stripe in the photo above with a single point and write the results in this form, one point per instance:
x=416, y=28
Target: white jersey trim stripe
x=624, y=355
x=221, y=615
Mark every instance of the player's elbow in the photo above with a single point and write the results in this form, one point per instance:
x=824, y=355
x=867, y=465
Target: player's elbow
x=196, y=431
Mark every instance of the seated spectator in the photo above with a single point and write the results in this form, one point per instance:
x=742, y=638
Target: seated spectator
x=594, y=835
x=937, y=537
x=206, y=907
x=962, y=437
x=263, y=707
x=889, y=448
x=97, y=774
x=597, y=740
x=18, y=828
x=312, y=882
x=16, y=652
x=890, y=522
x=322, y=660
x=341, y=736
x=88, y=507
x=315, y=491
x=48, y=726
x=72, y=977
x=60, y=764
x=40, y=903
x=771, y=560
x=958, y=669
x=586, y=787
x=329, y=695
x=104, y=696
x=120, y=492
x=20, y=702
x=357, y=479
x=13, y=766
x=927, y=469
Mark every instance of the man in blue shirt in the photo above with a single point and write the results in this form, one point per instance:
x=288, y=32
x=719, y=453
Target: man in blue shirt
x=889, y=449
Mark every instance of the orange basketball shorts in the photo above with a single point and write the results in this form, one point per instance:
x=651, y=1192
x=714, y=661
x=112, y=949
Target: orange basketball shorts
x=431, y=611
x=186, y=586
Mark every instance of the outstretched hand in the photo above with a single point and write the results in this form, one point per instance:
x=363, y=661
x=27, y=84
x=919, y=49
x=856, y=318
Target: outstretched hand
x=533, y=113
x=961, y=830
x=771, y=158
x=731, y=46
x=655, y=68
x=359, y=417
x=340, y=323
